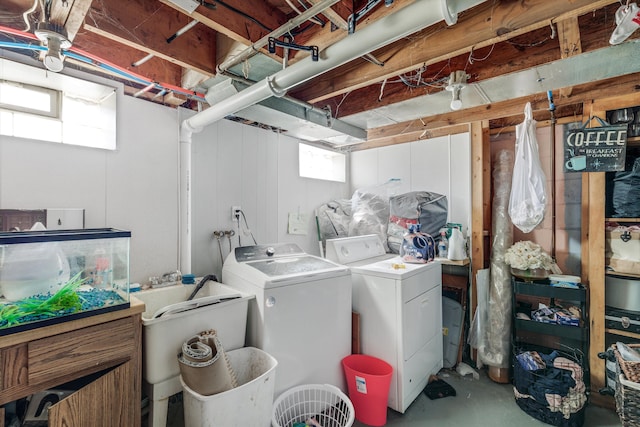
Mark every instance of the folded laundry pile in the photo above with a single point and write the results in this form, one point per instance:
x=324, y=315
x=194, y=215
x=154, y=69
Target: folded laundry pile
x=558, y=315
x=550, y=387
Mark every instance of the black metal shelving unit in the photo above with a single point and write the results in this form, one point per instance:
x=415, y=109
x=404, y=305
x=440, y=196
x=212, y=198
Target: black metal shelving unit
x=559, y=337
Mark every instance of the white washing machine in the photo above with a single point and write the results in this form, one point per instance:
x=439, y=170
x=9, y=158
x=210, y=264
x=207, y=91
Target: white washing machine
x=400, y=306
x=301, y=314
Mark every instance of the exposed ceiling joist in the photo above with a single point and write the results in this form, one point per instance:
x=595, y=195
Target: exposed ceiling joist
x=491, y=40
x=232, y=24
x=485, y=25
x=70, y=14
x=146, y=26
x=570, y=44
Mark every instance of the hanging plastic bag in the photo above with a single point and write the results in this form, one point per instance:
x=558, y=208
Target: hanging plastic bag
x=528, y=195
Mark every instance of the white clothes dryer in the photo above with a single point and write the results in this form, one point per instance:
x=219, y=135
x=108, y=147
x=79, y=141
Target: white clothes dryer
x=400, y=306
x=301, y=314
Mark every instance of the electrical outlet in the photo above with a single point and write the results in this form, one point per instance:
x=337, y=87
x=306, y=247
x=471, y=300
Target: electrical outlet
x=235, y=213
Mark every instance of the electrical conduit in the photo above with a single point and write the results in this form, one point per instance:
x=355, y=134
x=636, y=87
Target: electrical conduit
x=386, y=30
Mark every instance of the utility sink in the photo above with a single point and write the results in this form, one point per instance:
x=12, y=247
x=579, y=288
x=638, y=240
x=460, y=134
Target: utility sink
x=169, y=320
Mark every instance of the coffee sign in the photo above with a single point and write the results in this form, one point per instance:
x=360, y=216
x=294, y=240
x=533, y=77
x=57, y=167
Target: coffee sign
x=599, y=149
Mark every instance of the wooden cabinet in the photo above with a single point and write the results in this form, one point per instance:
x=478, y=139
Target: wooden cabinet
x=47, y=357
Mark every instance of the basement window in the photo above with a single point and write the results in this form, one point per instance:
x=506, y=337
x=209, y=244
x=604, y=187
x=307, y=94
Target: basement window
x=44, y=106
x=319, y=163
x=29, y=99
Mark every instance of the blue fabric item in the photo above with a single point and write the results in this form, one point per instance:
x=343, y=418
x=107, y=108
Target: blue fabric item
x=530, y=361
x=549, y=358
x=553, y=381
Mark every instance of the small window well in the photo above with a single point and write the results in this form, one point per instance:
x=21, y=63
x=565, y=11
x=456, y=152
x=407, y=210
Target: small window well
x=319, y=163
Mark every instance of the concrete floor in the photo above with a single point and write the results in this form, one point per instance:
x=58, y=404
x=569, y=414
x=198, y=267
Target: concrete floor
x=478, y=403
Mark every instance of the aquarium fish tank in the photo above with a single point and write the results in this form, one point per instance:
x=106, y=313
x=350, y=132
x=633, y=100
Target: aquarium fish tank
x=53, y=276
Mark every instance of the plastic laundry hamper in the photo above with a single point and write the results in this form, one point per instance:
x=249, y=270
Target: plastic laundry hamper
x=324, y=403
x=255, y=370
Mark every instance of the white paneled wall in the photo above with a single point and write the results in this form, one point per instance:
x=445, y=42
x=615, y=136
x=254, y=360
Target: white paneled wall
x=133, y=188
x=137, y=187
x=441, y=165
x=240, y=165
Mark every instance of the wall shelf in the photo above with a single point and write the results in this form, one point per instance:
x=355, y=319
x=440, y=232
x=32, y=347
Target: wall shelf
x=622, y=219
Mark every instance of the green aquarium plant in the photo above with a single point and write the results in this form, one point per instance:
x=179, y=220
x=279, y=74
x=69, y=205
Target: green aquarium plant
x=66, y=300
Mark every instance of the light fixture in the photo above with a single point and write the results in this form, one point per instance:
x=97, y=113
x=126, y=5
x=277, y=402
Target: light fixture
x=457, y=81
x=54, y=37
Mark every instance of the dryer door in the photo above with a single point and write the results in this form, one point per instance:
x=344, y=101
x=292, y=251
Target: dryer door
x=422, y=320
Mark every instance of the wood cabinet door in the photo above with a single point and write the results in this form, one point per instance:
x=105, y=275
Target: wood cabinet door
x=106, y=402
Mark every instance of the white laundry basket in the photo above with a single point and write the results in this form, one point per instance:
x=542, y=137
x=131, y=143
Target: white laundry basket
x=325, y=403
x=249, y=404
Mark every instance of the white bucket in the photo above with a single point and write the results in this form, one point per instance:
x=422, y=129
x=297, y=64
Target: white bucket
x=249, y=404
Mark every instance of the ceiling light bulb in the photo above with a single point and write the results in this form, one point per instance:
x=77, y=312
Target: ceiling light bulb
x=457, y=81
x=456, y=102
x=53, y=60
x=54, y=37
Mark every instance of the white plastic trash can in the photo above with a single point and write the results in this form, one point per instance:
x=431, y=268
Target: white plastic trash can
x=249, y=404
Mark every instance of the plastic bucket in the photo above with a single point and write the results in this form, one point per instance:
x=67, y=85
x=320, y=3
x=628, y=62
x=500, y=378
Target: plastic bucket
x=249, y=404
x=368, y=380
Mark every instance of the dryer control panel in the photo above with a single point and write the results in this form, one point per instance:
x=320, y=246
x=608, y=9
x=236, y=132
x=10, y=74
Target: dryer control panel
x=260, y=252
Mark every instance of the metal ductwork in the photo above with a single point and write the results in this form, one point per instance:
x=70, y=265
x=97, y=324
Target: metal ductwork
x=292, y=117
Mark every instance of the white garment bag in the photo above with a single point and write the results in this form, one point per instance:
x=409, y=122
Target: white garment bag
x=528, y=193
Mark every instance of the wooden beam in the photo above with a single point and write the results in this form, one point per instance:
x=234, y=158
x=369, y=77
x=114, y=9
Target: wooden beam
x=503, y=58
x=570, y=44
x=621, y=85
x=413, y=136
x=155, y=69
x=519, y=53
x=233, y=24
x=485, y=25
x=71, y=14
x=146, y=25
x=479, y=138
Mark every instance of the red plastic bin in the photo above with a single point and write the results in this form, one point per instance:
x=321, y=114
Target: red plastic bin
x=368, y=380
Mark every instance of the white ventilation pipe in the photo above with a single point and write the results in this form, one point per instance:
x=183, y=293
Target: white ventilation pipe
x=386, y=30
x=283, y=29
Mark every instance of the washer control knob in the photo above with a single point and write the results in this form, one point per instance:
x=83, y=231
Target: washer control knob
x=270, y=251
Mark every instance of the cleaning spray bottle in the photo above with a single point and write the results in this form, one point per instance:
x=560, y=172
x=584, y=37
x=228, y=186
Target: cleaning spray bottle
x=442, y=245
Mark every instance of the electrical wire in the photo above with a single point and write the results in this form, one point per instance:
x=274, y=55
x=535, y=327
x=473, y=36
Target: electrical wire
x=246, y=227
x=28, y=12
x=233, y=9
x=87, y=58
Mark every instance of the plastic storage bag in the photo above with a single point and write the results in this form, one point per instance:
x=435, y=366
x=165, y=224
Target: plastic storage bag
x=370, y=210
x=626, y=190
x=417, y=207
x=528, y=194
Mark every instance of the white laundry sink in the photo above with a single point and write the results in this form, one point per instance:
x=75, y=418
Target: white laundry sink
x=169, y=320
